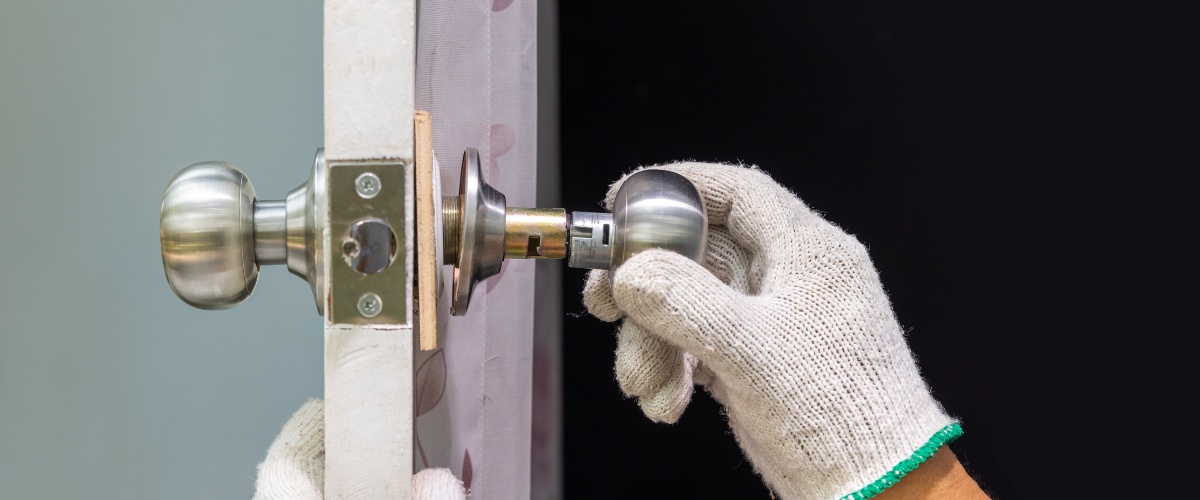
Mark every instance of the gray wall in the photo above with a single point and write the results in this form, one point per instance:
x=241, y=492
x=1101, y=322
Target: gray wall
x=110, y=386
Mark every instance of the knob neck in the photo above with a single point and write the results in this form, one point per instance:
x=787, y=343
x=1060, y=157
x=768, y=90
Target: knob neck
x=270, y=232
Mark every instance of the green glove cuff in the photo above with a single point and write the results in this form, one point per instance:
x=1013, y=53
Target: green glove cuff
x=946, y=435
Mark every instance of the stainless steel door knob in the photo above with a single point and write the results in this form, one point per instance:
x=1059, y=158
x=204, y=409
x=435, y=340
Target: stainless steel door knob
x=215, y=233
x=652, y=209
x=205, y=227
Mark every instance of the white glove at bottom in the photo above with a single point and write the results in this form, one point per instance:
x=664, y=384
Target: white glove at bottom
x=787, y=325
x=294, y=468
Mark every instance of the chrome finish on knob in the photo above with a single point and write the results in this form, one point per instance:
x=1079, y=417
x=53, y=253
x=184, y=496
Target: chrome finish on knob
x=305, y=204
x=652, y=209
x=658, y=209
x=206, y=228
x=215, y=233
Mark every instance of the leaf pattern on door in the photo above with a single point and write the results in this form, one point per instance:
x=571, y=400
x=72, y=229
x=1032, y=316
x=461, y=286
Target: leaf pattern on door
x=467, y=471
x=501, y=139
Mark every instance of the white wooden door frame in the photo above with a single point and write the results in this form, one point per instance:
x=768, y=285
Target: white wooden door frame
x=369, y=68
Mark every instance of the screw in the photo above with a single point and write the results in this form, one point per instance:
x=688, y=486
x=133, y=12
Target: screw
x=367, y=185
x=370, y=305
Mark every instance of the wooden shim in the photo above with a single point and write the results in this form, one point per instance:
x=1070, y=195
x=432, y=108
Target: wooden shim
x=428, y=200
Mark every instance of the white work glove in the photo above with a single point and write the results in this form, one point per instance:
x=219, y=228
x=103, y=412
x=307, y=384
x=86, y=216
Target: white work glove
x=787, y=325
x=295, y=465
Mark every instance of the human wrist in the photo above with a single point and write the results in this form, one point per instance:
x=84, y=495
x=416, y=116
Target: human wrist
x=856, y=457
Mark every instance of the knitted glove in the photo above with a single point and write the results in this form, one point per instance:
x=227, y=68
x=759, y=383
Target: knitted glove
x=787, y=326
x=295, y=465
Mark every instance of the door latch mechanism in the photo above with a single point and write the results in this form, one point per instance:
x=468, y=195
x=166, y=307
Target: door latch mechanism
x=215, y=233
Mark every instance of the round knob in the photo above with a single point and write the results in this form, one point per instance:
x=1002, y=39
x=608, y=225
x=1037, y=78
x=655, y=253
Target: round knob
x=658, y=209
x=206, y=228
x=215, y=234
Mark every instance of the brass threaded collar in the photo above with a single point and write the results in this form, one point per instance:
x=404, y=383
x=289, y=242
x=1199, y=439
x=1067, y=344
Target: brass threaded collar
x=451, y=227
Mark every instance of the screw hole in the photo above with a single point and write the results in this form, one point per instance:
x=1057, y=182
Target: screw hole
x=350, y=248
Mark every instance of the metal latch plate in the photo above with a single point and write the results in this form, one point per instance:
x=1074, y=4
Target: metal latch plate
x=367, y=229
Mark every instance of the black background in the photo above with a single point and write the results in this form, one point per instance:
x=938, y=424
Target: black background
x=971, y=147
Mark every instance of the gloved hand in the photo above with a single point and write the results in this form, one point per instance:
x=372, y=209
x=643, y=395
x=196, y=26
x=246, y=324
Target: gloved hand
x=786, y=324
x=295, y=465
